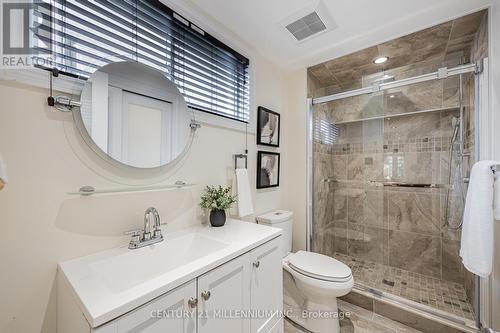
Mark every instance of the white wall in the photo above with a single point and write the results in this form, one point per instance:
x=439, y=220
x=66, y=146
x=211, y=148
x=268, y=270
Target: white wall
x=42, y=225
x=296, y=154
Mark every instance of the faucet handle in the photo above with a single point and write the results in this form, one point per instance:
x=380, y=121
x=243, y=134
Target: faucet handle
x=136, y=238
x=157, y=230
x=133, y=233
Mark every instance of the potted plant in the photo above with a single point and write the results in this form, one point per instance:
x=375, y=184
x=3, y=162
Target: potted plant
x=217, y=199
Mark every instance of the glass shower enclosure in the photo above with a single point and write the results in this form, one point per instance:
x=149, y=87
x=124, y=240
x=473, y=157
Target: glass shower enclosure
x=388, y=168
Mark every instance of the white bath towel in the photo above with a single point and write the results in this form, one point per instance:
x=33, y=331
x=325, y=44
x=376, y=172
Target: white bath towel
x=3, y=171
x=245, y=204
x=476, y=247
x=496, y=197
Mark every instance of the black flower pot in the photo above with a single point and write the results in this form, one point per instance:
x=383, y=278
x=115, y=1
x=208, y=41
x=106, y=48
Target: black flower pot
x=217, y=217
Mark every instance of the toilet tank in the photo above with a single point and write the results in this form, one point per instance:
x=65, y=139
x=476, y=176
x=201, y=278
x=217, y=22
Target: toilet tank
x=280, y=219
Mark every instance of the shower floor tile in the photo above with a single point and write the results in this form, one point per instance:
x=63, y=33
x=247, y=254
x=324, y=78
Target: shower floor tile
x=443, y=295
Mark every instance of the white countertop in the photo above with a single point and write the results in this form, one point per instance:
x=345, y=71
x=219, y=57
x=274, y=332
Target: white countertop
x=111, y=283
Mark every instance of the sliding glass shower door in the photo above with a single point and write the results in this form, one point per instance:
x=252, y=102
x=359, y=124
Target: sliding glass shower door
x=388, y=192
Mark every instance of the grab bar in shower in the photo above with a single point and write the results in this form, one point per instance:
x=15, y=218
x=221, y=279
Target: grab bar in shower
x=386, y=184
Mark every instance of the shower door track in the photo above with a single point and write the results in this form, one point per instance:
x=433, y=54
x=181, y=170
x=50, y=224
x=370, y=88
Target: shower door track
x=382, y=295
x=441, y=73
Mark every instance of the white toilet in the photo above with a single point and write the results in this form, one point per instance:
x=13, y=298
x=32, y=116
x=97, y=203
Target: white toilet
x=311, y=281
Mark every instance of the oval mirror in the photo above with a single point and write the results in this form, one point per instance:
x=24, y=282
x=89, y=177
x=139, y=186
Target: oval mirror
x=133, y=114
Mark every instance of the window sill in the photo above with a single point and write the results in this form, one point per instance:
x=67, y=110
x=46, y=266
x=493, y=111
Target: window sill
x=226, y=123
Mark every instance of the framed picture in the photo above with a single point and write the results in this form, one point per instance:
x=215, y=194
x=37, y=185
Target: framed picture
x=268, y=169
x=268, y=127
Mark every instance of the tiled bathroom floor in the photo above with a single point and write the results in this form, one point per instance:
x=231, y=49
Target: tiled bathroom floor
x=358, y=320
x=443, y=295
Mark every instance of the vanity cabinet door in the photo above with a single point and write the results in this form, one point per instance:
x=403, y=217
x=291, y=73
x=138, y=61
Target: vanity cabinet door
x=168, y=313
x=223, y=292
x=266, y=285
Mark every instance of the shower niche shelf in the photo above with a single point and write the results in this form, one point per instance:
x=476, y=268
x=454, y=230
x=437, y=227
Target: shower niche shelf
x=403, y=114
x=90, y=190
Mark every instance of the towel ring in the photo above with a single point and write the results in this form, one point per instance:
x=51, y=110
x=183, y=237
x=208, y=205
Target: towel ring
x=240, y=156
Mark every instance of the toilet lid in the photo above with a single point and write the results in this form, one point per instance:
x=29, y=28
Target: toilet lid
x=319, y=266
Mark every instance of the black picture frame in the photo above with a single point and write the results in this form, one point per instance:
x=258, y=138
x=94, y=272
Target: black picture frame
x=265, y=178
x=263, y=117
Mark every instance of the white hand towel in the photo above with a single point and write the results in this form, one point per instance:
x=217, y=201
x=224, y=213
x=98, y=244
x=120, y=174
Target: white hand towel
x=496, y=197
x=3, y=171
x=245, y=204
x=476, y=247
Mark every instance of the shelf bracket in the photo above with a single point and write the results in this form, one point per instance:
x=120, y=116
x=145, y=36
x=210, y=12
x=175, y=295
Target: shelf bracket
x=194, y=125
x=442, y=73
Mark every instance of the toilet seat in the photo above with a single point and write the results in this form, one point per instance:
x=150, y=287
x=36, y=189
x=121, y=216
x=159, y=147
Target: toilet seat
x=318, y=266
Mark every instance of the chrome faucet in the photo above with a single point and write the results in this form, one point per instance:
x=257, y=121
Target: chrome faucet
x=150, y=234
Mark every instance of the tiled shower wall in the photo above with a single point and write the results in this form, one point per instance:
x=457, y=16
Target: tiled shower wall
x=479, y=51
x=400, y=227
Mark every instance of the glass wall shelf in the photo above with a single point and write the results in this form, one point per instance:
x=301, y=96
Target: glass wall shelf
x=90, y=190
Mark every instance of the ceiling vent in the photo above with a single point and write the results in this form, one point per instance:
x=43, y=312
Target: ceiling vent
x=307, y=23
x=306, y=26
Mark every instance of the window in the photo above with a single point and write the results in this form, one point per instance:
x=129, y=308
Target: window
x=86, y=35
x=325, y=132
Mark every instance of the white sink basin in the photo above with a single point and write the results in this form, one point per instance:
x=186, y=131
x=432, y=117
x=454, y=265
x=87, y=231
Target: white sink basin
x=110, y=283
x=140, y=265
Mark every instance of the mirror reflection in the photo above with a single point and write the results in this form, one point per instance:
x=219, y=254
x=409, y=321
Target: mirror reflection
x=135, y=115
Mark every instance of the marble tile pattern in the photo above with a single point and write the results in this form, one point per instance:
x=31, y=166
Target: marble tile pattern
x=437, y=293
x=479, y=51
x=358, y=320
x=404, y=229
x=479, y=48
x=445, y=43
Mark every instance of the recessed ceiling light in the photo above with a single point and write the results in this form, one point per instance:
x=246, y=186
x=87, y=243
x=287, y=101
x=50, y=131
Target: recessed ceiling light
x=380, y=60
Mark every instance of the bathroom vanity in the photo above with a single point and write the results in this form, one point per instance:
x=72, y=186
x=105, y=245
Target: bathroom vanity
x=201, y=279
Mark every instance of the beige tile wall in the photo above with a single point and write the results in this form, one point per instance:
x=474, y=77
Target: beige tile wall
x=401, y=227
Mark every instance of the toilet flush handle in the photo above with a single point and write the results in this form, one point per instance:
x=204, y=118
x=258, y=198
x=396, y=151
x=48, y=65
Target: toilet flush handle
x=256, y=264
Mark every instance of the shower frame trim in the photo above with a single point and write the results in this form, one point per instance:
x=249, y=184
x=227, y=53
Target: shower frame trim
x=310, y=173
x=441, y=73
